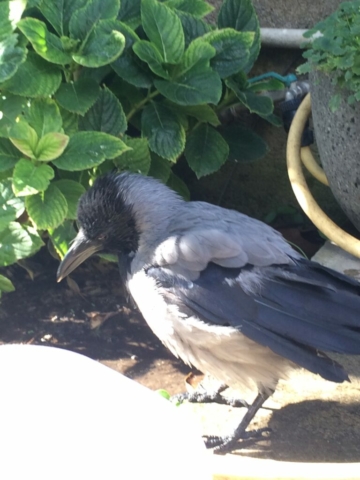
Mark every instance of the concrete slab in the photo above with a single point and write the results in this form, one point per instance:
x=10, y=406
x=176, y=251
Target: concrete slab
x=332, y=256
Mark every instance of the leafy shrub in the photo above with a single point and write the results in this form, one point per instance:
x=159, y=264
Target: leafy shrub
x=337, y=50
x=89, y=85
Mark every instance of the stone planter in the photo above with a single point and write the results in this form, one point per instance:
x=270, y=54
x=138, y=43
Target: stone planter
x=338, y=141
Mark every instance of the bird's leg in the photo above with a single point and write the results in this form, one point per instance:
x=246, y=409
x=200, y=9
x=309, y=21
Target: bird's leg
x=229, y=443
x=213, y=396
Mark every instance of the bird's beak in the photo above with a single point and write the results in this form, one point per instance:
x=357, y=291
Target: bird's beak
x=80, y=250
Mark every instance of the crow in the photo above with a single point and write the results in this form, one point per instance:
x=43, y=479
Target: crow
x=224, y=292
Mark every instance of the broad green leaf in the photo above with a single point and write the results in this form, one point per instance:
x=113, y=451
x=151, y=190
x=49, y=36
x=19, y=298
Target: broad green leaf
x=163, y=130
x=106, y=115
x=62, y=236
x=18, y=242
x=59, y=12
x=148, y=53
x=197, y=86
x=6, y=28
x=9, y=155
x=192, y=27
x=46, y=44
x=128, y=95
x=47, y=209
x=255, y=103
x=130, y=13
x=51, y=146
x=24, y=138
x=241, y=15
x=70, y=121
x=232, y=50
x=11, y=56
x=29, y=179
x=6, y=285
x=89, y=149
x=10, y=207
x=78, y=97
x=244, y=144
x=178, y=185
x=136, y=160
x=203, y=113
x=127, y=65
x=98, y=74
x=197, y=8
x=34, y=78
x=102, y=46
x=163, y=28
x=10, y=108
x=198, y=53
x=206, y=150
x=72, y=191
x=160, y=168
x=85, y=19
x=266, y=85
x=44, y=116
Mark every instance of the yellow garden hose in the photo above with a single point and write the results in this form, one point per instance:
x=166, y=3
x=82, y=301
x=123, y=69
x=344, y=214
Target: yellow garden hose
x=295, y=154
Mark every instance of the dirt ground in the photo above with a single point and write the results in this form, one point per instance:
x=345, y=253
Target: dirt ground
x=311, y=419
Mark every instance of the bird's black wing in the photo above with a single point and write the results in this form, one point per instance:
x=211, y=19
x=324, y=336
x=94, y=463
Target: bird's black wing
x=296, y=310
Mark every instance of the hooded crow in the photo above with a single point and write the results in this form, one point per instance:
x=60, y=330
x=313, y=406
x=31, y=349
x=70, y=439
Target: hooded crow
x=223, y=291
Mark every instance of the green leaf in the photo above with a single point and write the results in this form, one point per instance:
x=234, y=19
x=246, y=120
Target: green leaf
x=261, y=105
x=51, y=146
x=178, y=185
x=89, y=149
x=163, y=28
x=6, y=285
x=86, y=18
x=195, y=87
x=106, y=115
x=18, y=242
x=59, y=12
x=127, y=65
x=34, y=78
x=202, y=113
x=244, y=144
x=136, y=160
x=232, y=50
x=193, y=27
x=78, y=97
x=241, y=15
x=160, y=168
x=10, y=207
x=24, y=138
x=46, y=44
x=197, y=8
x=163, y=130
x=102, y=46
x=266, y=85
x=44, y=116
x=29, y=179
x=11, y=57
x=62, y=236
x=130, y=13
x=206, y=150
x=9, y=155
x=198, y=54
x=148, y=53
x=6, y=28
x=72, y=191
x=47, y=209
x=70, y=121
x=10, y=108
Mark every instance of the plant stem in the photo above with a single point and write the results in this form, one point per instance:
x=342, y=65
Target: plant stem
x=229, y=98
x=139, y=105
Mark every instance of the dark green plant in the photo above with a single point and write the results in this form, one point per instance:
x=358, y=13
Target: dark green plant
x=337, y=50
x=89, y=85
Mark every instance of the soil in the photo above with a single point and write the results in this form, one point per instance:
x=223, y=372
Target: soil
x=311, y=419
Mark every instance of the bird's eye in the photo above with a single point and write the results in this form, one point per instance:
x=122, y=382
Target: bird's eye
x=102, y=237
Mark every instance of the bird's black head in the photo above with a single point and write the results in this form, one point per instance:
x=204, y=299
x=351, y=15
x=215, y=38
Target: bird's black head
x=106, y=223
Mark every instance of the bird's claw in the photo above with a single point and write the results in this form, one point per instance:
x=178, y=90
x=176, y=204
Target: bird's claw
x=209, y=397
x=222, y=445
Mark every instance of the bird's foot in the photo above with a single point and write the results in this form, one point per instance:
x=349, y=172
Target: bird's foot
x=222, y=445
x=209, y=397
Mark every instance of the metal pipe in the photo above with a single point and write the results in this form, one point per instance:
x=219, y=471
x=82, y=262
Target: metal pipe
x=285, y=37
